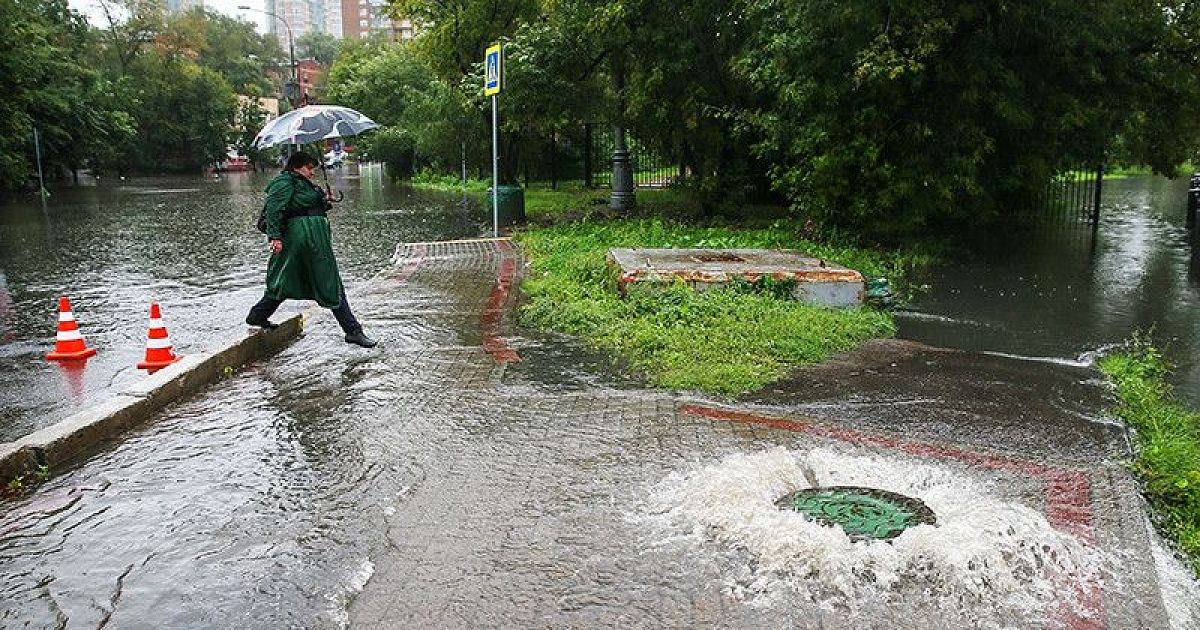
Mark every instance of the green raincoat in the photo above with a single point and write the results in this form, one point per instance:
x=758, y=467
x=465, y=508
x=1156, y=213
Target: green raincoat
x=305, y=269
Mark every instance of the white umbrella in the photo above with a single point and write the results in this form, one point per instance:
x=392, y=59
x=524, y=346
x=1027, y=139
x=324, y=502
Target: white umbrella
x=313, y=123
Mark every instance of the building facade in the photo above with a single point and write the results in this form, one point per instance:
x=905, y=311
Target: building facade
x=304, y=16
x=362, y=18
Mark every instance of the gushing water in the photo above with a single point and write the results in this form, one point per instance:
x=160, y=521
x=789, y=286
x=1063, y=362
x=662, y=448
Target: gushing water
x=1181, y=591
x=990, y=560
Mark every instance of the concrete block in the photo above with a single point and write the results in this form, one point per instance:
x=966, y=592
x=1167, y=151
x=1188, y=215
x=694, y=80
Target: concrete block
x=817, y=281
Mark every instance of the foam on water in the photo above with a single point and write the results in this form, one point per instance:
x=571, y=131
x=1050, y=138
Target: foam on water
x=354, y=583
x=1180, y=589
x=988, y=560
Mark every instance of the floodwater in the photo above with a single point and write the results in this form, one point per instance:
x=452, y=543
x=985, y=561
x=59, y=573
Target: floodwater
x=424, y=484
x=188, y=243
x=1064, y=293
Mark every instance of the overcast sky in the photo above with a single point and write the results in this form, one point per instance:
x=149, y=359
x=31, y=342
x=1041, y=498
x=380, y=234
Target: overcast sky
x=91, y=8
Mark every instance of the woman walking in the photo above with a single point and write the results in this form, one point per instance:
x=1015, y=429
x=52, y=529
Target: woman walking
x=302, y=266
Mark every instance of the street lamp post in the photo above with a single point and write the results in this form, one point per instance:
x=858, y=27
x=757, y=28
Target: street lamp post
x=291, y=45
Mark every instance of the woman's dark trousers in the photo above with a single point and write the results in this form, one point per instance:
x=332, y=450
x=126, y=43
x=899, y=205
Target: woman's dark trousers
x=267, y=305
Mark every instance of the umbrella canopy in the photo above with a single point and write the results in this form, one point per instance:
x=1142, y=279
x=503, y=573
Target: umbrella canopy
x=312, y=123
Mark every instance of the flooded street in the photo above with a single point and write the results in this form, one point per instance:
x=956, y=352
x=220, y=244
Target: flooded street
x=468, y=473
x=1059, y=293
x=186, y=242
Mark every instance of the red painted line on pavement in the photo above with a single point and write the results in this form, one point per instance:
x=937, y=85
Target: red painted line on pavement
x=493, y=313
x=1068, y=493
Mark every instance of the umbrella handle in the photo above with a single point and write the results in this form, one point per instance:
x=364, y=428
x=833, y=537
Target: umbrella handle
x=328, y=190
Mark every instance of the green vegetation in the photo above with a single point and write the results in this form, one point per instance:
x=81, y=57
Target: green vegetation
x=147, y=91
x=725, y=341
x=432, y=180
x=1168, y=442
x=894, y=118
x=24, y=483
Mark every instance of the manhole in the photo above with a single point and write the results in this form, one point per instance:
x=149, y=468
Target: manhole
x=863, y=513
x=717, y=257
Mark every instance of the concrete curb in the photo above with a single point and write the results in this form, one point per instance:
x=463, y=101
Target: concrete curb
x=81, y=433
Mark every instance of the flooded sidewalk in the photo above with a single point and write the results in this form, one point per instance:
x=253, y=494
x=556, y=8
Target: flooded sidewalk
x=469, y=474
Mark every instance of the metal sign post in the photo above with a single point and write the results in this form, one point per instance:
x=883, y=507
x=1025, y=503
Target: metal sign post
x=37, y=150
x=491, y=87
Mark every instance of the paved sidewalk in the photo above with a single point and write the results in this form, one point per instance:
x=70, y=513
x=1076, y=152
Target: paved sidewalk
x=536, y=478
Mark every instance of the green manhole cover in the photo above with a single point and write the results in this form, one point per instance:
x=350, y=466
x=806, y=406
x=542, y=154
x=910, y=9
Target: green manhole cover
x=863, y=513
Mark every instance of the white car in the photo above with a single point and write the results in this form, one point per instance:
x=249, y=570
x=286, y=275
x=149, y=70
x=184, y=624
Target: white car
x=334, y=158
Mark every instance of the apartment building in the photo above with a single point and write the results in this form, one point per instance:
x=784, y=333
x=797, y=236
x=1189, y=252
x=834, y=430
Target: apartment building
x=305, y=16
x=361, y=18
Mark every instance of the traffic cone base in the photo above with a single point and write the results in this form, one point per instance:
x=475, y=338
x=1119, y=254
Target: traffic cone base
x=68, y=342
x=158, y=365
x=158, y=344
x=71, y=356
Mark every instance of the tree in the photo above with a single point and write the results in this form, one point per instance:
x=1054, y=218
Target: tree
x=941, y=112
x=320, y=46
x=249, y=119
x=419, y=112
x=456, y=32
x=184, y=114
x=228, y=46
x=53, y=89
x=131, y=26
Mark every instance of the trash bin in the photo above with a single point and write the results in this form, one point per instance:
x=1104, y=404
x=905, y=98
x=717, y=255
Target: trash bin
x=511, y=210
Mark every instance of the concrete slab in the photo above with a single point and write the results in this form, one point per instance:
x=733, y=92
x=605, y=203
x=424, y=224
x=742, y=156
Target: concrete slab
x=817, y=281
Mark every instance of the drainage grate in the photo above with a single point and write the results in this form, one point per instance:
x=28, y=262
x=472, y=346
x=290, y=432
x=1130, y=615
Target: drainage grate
x=863, y=513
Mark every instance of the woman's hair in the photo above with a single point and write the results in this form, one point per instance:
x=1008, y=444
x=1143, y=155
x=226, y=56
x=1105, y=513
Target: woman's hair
x=300, y=159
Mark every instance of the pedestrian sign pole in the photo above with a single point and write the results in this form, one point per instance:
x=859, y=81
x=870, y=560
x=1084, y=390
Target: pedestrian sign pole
x=492, y=85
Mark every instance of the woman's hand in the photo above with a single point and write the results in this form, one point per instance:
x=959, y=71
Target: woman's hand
x=276, y=246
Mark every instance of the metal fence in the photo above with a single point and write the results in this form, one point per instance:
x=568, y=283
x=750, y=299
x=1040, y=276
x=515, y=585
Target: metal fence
x=1073, y=196
x=651, y=168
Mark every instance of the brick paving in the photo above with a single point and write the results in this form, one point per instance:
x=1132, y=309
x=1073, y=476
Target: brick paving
x=522, y=516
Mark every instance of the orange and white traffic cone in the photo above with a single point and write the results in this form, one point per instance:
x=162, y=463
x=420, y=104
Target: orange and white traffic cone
x=158, y=344
x=68, y=343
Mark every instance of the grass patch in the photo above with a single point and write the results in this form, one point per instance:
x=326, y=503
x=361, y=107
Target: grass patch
x=1168, y=442
x=568, y=199
x=725, y=341
x=728, y=341
x=430, y=180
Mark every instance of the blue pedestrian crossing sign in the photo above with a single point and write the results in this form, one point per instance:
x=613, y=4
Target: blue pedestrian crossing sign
x=493, y=73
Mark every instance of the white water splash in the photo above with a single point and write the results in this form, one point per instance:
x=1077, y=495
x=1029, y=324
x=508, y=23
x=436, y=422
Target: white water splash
x=355, y=582
x=988, y=562
x=1180, y=589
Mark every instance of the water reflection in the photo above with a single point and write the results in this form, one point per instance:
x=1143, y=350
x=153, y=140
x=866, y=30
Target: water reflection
x=186, y=242
x=1067, y=291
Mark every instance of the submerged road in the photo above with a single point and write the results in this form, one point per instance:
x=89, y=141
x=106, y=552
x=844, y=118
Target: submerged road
x=468, y=474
